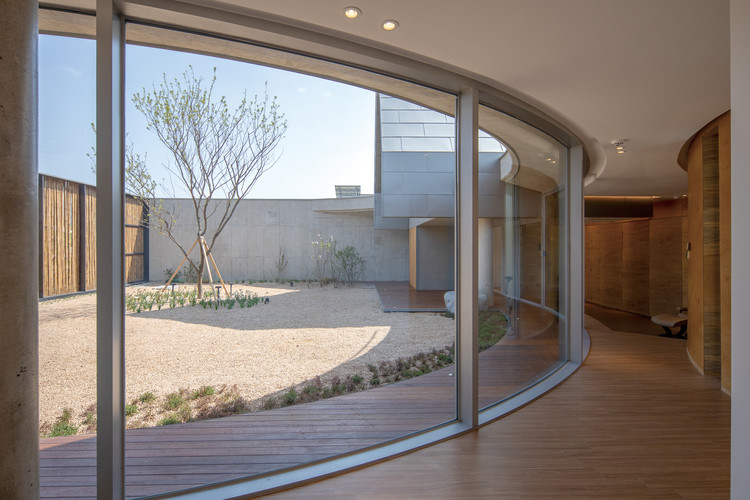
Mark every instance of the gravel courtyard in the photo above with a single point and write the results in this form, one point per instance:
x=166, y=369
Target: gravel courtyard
x=300, y=334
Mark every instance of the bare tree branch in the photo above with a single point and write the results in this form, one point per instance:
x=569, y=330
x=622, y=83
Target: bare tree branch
x=217, y=154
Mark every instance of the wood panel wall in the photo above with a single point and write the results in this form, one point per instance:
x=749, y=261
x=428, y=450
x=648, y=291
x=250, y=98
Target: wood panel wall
x=531, y=257
x=709, y=237
x=637, y=265
x=552, y=250
x=59, y=245
x=68, y=237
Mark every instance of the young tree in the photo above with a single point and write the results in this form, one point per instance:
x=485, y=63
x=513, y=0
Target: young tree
x=217, y=155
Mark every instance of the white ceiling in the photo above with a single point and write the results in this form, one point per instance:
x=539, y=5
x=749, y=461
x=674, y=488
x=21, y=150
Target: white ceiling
x=649, y=71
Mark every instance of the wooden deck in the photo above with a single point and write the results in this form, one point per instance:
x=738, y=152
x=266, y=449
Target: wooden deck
x=399, y=296
x=163, y=459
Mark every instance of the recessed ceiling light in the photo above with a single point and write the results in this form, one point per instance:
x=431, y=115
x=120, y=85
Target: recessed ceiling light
x=352, y=12
x=390, y=25
x=621, y=151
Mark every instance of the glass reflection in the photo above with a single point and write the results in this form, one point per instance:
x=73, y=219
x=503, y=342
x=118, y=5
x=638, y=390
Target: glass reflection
x=521, y=235
x=322, y=344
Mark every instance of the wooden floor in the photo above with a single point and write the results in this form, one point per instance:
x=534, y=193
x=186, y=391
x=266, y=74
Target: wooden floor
x=164, y=459
x=622, y=321
x=636, y=421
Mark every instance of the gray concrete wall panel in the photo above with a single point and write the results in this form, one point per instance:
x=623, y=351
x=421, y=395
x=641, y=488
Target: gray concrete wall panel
x=249, y=246
x=435, y=254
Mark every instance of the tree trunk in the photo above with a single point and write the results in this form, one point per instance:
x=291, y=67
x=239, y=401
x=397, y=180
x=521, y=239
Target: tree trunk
x=199, y=279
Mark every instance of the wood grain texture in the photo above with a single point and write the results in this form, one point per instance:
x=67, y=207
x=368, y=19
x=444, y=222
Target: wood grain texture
x=695, y=263
x=531, y=262
x=636, y=290
x=552, y=240
x=665, y=265
x=592, y=277
x=611, y=265
x=636, y=421
x=725, y=248
x=711, y=261
x=68, y=262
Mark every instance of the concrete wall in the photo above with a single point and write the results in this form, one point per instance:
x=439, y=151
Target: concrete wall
x=435, y=257
x=249, y=246
x=19, y=273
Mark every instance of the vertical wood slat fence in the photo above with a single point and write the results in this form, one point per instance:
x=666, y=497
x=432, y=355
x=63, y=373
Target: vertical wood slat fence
x=67, y=237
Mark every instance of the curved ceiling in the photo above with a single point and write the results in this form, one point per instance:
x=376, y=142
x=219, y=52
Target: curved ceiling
x=650, y=72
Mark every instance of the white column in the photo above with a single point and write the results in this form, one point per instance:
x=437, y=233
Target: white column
x=486, y=284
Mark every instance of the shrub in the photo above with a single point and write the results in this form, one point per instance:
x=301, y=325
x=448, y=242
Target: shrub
x=323, y=256
x=130, y=410
x=350, y=264
x=281, y=264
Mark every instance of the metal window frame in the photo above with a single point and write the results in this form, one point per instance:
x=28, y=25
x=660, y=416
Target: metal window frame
x=110, y=275
x=110, y=230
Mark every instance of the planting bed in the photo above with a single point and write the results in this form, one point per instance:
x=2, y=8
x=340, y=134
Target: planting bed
x=251, y=352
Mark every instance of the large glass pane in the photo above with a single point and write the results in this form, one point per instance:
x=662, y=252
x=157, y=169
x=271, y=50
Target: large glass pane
x=522, y=179
x=67, y=246
x=319, y=327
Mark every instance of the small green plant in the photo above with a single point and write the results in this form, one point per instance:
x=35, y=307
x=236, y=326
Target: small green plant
x=185, y=413
x=147, y=397
x=173, y=401
x=290, y=397
x=131, y=410
x=375, y=381
x=89, y=416
x=63, y=426
x=203, y=391
x=311, y=390
x=171, y=419
x=357, y=379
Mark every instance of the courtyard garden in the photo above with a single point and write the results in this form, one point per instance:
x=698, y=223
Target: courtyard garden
x=276, y=344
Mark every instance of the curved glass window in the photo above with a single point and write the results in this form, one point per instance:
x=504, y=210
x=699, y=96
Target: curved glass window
x=334, y=319
x=522, y=241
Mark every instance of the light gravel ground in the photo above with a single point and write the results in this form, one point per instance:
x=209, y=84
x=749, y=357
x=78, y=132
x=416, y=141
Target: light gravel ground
x=302, y=333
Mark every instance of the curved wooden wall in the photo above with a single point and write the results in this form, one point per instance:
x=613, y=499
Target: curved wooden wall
x=709, y=237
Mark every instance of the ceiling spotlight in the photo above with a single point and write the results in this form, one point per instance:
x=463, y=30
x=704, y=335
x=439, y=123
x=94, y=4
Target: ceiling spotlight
x=352, y=12
x=390, y=25
x=619, y=145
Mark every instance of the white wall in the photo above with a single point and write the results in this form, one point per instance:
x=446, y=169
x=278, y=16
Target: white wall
x=740, y=82
x=249, y=246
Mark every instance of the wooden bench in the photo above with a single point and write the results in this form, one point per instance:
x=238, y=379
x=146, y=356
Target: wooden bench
x=669, y=321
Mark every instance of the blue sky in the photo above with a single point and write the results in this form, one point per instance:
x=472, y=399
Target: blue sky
x=330, y=134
